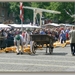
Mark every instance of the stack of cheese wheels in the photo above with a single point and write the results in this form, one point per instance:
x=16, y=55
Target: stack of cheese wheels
x=63, y=45
x=57, y=43
x=7, y=49
x=13, y=48
x=2, y=50
x=28, y=46
x=27, y=50
x=67, y=41
x=39, y=46
x=44, y=45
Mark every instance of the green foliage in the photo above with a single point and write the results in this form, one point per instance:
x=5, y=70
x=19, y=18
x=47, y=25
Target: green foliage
x=14, y=6
x=57, y=6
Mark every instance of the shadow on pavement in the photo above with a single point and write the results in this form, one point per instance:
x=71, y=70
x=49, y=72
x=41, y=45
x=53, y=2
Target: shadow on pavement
x=61, y=54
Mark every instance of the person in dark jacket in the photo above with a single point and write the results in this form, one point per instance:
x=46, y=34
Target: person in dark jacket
x=72, y=40
x=10, y=40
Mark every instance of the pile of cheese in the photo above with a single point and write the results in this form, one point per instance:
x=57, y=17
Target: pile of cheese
x=27, y=49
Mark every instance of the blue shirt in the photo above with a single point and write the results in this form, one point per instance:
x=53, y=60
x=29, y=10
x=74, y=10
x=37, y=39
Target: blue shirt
x=63, y=35
x=42, y=32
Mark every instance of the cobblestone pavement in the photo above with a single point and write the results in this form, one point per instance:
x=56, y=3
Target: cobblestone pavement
x=60, y=61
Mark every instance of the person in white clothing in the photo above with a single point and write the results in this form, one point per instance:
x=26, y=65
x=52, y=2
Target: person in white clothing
x=27, y=38
x=18, y=40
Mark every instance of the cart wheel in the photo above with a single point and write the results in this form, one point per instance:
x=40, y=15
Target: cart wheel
x=33, y=50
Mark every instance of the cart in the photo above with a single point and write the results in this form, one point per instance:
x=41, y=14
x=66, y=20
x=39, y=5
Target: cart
x=41, y=40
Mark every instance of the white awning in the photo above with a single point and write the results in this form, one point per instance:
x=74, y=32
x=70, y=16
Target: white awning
x=51, y=24
x=24, y=26
x=4, y=26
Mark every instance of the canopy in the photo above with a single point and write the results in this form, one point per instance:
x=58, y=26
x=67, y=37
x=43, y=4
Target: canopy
x=24, y=26
x=51, y=24
x=66, y=24
x=4, y=26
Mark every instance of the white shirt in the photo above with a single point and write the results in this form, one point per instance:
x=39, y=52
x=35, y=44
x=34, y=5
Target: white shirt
x=21, y=39
x=27, y=37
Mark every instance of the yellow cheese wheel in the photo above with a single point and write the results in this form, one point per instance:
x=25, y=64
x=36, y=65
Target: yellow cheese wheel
x=54, y=45
x=40, y=46
x=8, y=49
x=28, y=46
x=27, y=50
x=67, y=41
x=2, y=50
x=44, y=45
x=63, y=45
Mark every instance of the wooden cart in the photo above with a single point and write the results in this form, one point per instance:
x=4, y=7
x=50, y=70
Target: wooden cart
x=41, y=40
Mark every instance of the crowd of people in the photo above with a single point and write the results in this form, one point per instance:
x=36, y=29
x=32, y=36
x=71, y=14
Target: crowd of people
x=13, y=37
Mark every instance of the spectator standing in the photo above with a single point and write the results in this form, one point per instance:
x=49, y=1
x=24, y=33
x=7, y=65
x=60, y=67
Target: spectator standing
x=72, y=40
x=27, y=38
x=62, y=36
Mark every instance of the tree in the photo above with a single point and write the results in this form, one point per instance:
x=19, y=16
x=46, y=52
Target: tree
x=57, y=6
